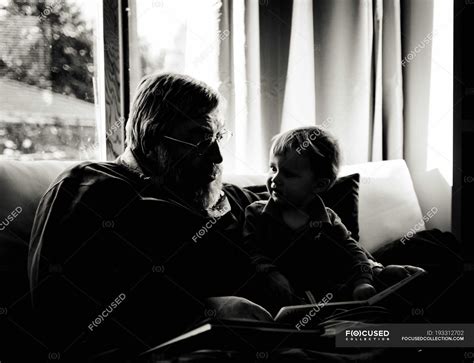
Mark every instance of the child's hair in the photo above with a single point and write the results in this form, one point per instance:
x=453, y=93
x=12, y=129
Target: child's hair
x=319, y=146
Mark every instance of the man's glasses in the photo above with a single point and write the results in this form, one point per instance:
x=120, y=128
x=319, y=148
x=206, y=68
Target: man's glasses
x=202, y=147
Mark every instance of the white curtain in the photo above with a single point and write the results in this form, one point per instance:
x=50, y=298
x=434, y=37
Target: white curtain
x=333, y=63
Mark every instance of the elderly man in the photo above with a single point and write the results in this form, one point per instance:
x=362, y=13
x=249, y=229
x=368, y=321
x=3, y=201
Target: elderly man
x=126, y=254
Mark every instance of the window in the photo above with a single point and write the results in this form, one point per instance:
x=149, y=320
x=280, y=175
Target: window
x=179, y=36
x=190, y=37
x=47, y=80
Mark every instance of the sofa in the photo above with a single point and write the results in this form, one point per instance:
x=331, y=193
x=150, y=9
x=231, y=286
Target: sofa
x=388, y=208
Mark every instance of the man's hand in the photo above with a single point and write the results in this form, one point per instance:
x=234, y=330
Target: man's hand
x=234, y=307
x=363, y=291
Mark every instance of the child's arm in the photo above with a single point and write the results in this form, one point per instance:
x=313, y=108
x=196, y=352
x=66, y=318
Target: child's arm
x=272, y=289
x=253, y=237
x=361, y=264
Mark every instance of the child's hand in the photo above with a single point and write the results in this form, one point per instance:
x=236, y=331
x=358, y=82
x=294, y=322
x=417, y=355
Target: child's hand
x=363, y=291
x=394, y=273
x=234, y=307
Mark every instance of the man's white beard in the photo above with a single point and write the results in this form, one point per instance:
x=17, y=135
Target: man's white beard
x=208, y=195
x=169, y=174
x=202, y=197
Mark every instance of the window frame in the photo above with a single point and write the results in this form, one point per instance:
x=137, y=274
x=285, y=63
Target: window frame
x=113, y=77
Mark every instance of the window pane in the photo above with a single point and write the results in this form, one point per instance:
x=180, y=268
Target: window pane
x=47, y=97
x=174, y=35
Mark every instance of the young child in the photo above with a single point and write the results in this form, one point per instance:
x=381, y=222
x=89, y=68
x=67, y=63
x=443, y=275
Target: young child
x=294, y=233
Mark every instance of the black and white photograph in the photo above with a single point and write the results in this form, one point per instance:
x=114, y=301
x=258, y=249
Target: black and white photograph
x=243, y=181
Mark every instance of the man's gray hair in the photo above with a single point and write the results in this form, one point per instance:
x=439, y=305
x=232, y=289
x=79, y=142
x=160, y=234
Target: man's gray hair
x=161, y=101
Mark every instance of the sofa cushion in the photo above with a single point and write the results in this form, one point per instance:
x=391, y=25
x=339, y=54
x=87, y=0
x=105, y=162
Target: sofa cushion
x=22, y=185
x=388, y=205
x=343, y=198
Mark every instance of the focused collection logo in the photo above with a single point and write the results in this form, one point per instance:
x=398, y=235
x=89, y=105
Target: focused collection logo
x=367, y=334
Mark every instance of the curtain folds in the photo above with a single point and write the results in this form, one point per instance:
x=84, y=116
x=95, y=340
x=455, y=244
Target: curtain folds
x=333, y=63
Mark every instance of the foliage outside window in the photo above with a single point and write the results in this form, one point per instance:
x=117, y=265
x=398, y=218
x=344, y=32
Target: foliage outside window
x=47, y=71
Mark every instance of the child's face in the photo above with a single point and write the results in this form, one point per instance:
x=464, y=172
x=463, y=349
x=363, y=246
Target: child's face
x=291, y=181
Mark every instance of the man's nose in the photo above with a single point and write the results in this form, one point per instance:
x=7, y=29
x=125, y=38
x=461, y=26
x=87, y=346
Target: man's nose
x=214, y=154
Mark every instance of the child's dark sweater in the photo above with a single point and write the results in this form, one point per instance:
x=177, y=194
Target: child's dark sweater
x=317, y=256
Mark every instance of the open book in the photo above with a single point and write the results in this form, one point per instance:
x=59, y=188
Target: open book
x=225, y=333
x=292, y=314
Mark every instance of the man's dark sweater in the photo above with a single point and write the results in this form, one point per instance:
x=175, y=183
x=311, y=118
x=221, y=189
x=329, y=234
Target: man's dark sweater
x=117, y=262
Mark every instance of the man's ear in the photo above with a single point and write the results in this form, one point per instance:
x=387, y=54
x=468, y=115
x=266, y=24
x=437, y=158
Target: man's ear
x=321, y=185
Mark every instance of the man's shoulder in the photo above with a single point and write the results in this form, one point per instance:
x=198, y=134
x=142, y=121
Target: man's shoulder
x=93, y=178
x=90, y=172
